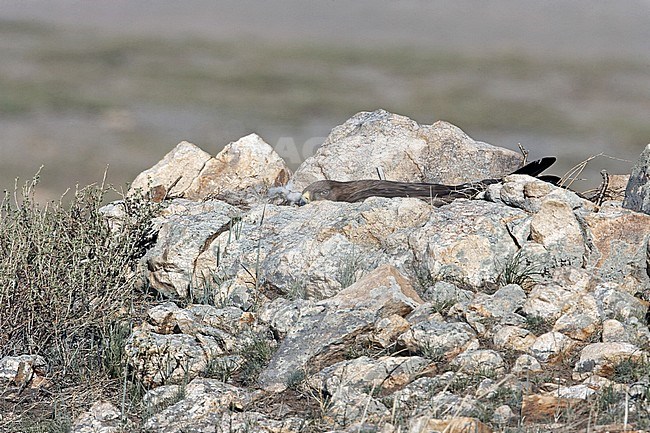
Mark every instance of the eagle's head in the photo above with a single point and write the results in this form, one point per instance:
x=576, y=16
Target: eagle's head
x=320, y=190
x=359, y=190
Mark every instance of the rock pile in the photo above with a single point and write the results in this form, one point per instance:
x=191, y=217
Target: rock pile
x=523, y=307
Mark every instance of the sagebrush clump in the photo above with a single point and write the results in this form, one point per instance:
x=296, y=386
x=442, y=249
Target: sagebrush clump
x=68, y=289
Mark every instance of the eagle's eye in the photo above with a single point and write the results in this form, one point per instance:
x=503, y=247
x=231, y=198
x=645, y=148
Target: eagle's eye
x=323, y=192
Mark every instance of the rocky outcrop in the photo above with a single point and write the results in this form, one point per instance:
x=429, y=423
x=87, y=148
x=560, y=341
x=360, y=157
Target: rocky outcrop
x=314, y=251
x=518, y=307
x=176, y=345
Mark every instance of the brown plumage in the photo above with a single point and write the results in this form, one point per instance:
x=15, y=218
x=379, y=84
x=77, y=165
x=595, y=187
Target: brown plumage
x=358, y=190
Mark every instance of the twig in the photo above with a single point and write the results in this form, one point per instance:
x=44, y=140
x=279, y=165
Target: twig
x=169, y=189
x=365, y=409
x=600, y=195
x=627, y=409
x=524, y=153
x=572, y=175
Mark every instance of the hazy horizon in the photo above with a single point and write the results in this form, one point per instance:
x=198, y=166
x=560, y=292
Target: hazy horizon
x=90, y=83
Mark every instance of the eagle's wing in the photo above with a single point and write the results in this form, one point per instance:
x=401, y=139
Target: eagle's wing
x=362, y=189
x=359, y=190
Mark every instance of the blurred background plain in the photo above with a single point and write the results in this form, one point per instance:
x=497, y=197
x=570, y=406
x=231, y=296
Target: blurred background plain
x=87, y=83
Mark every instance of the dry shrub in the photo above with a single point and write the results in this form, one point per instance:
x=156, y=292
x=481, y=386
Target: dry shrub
x=65, y=279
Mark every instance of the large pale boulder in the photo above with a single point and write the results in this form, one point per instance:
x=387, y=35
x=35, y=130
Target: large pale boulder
x=618, y=240
x=388, y=373
x=557, y=229
x=405, y=151
x=468, y=240
x=553, y=236
x=241, y=174
x=438, y=339
x=427, y=396
x=528, y=193
x=582, y=320
x=159, y=359
x=209, y=405
x=565, y=292
x=551, y=347
x=486, y=310
x=323, y=331
x=479, y=362
x=602, y=358
x=354, y=384
x=282, y=314
x=173, y=174
x=513, y=338
x=181, y=238
x=615, y=302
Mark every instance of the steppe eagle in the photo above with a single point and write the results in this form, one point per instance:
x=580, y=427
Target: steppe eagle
x=358, y=190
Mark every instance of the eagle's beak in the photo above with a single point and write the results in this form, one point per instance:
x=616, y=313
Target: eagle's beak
x=304, y=198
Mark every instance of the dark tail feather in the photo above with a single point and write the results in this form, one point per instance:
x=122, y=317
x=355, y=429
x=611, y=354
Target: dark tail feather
x=550, y=178
x=535, y=168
